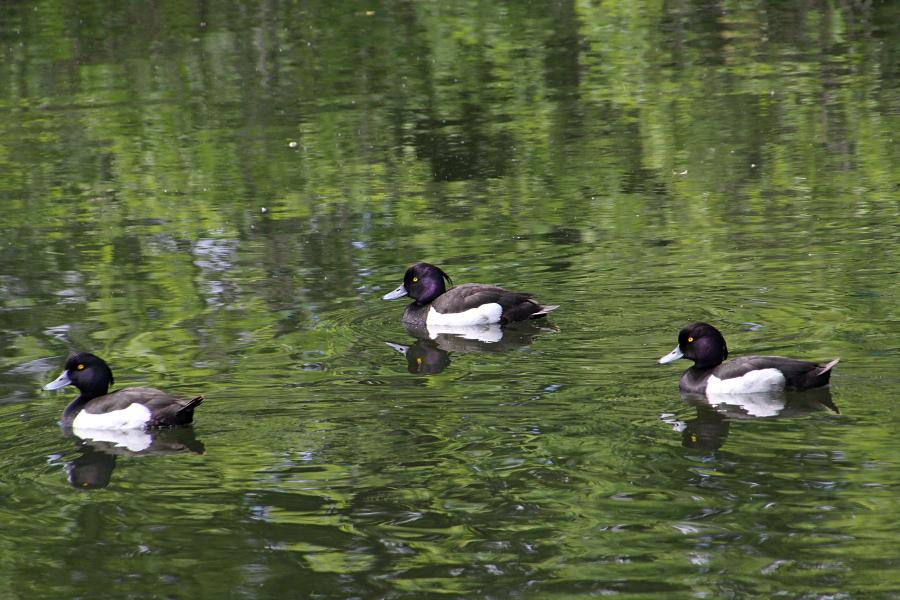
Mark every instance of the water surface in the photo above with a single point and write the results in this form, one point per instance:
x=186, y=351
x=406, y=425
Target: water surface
x=214, y=198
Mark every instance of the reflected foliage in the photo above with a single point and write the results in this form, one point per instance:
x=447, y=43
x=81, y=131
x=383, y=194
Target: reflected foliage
x=215, y=195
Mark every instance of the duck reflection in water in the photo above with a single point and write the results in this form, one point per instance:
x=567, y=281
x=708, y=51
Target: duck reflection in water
x=715, y=413
x=93, y=468
x=430, y=353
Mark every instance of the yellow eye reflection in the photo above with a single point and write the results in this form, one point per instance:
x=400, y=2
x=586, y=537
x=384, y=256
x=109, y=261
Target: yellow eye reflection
x=415, y=280
x=80, y=366
x=690, y=339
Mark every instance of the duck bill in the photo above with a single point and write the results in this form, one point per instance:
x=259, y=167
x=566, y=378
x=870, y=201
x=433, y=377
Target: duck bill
x=398, y=293
x=61, y=381
x=399, y=347
x=671, y=356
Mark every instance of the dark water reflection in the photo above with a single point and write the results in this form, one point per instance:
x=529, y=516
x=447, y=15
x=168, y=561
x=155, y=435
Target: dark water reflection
x=430, y=353
x=93, y=468
x=709, y=429
x=215, y=196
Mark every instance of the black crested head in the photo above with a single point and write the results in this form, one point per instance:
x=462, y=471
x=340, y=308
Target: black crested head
x=89, y=373
x=424, y=282
x=703, y=344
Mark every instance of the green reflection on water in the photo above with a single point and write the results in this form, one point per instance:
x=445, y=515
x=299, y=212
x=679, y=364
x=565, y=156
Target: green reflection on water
x=214, y=197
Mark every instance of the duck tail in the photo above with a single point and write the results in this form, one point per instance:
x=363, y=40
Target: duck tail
x=821, y=375
x=188, y=409
x=824, y=369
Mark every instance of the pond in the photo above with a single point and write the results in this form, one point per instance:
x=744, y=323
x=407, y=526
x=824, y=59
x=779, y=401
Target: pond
x=215, y=196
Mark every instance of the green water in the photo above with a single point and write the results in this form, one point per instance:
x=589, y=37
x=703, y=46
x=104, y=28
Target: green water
x=214, y=196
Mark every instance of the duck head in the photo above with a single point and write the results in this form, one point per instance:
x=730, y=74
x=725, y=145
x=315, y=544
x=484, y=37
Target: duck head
x=89, y=373
x=423, y=283
x=701, y=343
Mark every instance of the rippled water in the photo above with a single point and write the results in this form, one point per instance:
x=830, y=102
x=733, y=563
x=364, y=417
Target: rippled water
x=215, y=198
x=564, y=463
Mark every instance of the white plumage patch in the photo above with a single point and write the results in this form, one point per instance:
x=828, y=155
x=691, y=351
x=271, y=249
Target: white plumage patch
x=130, y=439
x=761, y=380
x=135, y=416
x=488, y=333
x=759, y=404
x=480, y=315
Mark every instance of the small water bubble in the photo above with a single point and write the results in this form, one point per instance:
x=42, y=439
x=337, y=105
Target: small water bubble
x=699, y=558
x=768, y=570
x=686, y=528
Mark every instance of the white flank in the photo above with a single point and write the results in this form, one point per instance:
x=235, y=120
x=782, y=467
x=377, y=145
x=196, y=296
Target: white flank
x=130, y=439
x=480, y=315
x=135, y=416
x=762, y=380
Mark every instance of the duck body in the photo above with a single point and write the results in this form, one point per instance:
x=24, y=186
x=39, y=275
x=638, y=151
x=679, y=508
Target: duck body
x=710, y=375
x=130, y=408
x=464, y=305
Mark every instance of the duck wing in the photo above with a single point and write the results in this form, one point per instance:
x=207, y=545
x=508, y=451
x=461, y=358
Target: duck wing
x=165, y=409
x=798, y=374
x=516, y=306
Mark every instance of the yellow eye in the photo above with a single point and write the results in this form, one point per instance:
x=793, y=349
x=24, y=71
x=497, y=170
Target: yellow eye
x=415, y=280
x=690, y=339
x=80, y=367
